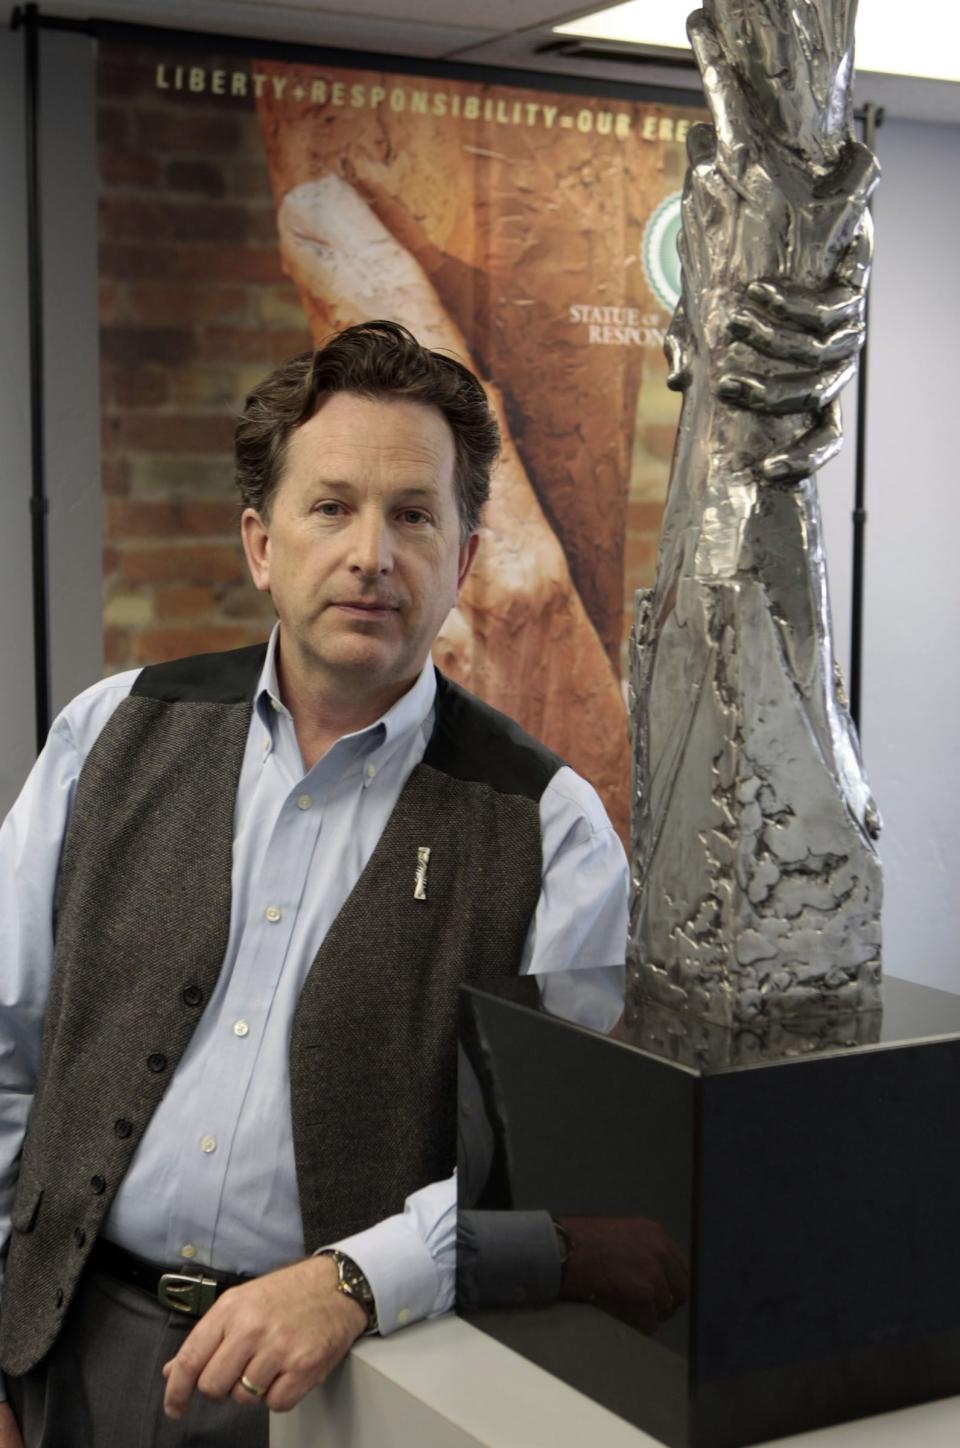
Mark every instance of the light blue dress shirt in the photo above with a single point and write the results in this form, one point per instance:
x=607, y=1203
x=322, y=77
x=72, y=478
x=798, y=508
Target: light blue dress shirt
x=213, y=1179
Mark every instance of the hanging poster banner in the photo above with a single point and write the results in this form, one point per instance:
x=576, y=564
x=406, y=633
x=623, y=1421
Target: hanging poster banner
x=250, y=207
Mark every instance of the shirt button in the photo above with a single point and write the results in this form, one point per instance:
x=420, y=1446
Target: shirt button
x=403, y=1316
x=304, y=802
x=208, y=1144
x=188, y=1250
x=240, y=1028
x=122, y=1127
x=371, y=770
x=272, y=914
x=276, y=705
x=156, y=1062
x=192, y=995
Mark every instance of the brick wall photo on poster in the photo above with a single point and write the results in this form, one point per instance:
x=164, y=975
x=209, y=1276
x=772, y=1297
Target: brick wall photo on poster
x=194, y=309
x=249, y=207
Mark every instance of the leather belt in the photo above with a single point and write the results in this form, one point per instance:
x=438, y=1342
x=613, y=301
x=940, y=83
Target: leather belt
x=192, y=1292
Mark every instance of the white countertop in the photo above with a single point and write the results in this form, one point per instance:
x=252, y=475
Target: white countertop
x=444, y=1384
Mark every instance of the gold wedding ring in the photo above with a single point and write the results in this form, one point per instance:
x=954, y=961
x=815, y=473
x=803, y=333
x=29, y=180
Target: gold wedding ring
x=249, y=1387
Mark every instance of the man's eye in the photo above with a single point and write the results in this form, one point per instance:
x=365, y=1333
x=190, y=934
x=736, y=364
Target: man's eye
x=415, y=515
x=329, y=510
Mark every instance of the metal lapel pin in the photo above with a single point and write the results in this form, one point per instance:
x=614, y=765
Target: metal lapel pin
x=420, y=877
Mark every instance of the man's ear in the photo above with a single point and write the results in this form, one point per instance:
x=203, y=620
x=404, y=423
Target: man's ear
x=256, y=546
x=468, y=552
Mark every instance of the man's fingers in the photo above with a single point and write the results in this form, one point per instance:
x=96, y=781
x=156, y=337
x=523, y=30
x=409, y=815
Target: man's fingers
x=809, y=452
x=287, y=1378
x=289, y=1389
x=821, y=311
x=184, y=1370
x=789, y=345
x=782, y=396
x=260, y=1372
x=222, y=1373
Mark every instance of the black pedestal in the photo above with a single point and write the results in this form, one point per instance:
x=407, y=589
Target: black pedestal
x=816, y=1201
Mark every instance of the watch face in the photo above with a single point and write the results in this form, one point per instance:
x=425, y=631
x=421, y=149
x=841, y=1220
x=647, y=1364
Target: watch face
x=353, y=1284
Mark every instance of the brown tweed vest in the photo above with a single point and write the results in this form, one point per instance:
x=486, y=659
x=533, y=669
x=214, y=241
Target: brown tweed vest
x=141, y=930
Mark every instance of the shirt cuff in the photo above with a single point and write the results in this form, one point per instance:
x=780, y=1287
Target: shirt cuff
x=408, y=1280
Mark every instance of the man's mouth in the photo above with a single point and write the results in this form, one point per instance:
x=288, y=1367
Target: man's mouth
x=366, y=607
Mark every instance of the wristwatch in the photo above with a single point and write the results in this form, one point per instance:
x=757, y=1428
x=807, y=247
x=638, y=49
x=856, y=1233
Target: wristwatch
x=352, y=1283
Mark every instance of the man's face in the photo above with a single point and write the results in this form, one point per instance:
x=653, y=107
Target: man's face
x=361, y=553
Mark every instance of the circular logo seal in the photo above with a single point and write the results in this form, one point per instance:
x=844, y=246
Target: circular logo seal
x=661, y=260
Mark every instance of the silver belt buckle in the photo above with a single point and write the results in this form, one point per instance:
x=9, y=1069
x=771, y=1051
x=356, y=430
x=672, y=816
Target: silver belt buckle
x=193, y=1295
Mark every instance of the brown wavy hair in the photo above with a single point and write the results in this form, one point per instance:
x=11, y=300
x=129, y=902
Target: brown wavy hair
x=372, y=359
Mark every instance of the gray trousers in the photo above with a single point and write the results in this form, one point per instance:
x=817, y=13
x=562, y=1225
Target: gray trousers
x=100, y=1385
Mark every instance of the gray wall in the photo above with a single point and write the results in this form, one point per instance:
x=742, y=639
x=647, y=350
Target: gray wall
x=16, y=636
x=911, y=676
x=68, y=209
x=71, y=343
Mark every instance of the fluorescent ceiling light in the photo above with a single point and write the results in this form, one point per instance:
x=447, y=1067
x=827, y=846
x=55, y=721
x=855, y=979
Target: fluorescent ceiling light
x=924, y=43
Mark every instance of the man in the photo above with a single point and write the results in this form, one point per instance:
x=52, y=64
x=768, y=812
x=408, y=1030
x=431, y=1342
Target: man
x=240, y=893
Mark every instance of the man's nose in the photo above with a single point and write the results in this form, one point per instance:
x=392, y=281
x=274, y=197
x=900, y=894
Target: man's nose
x=372, y=547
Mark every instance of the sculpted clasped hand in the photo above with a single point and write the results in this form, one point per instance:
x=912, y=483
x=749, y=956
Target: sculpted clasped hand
x=284, y=1332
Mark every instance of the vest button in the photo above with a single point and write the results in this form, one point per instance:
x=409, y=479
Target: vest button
x=122, y=1127
x=156, y=1062
x=98, y=1185
x=192, y=995
x=59, y=1297
x=79, y=1236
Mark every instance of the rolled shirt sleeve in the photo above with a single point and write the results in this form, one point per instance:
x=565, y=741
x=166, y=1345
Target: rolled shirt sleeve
x=410, y=1259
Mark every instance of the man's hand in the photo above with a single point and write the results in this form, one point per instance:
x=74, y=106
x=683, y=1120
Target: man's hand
x=284, y=1332
x=9, y=1432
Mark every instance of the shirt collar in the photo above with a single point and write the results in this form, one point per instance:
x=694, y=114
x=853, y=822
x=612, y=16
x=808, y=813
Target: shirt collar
x=413, y=710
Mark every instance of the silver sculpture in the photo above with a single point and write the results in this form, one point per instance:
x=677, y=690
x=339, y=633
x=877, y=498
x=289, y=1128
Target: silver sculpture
x=757, y=883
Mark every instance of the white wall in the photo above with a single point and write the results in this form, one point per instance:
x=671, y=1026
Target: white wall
x=911, y=671
x=911, y=677
x=911, y=668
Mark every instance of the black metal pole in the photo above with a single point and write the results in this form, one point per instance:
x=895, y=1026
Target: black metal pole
x=30, y=21
x=872, y=118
